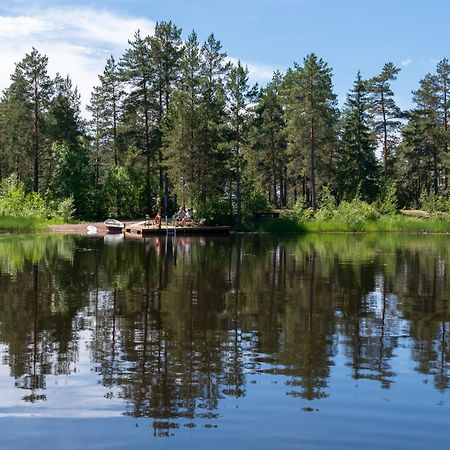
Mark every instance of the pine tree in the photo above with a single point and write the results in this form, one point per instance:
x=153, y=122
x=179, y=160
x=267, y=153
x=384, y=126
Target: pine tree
x=32, y=86
x=111, y=94
x=311, y=112
x=417, y=162
x=439, y=99
x=240, y=98
x=138, y=73
x=182, y=139
x=358, y=166
x=97, y=156
x=213, y=71
x=64, y=116
x=165, y=52
x=68, y=170
x=421, y=150
x=386, y=113
x=269, y=143
x=16, y=135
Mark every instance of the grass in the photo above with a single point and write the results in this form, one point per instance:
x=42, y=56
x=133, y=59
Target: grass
x=384, y=224
x=9, y=223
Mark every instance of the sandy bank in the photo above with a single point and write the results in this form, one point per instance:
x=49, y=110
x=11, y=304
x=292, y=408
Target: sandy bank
x=81, y=228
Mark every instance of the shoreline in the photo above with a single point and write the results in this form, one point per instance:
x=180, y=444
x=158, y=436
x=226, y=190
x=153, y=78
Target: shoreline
x=80, y=228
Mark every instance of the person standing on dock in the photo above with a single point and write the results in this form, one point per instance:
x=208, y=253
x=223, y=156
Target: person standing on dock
x=158, y=220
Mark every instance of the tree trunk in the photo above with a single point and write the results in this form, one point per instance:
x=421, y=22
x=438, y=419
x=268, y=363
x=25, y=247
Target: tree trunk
x=147, y=151
x=385, y=137
x=313, y=166
x=36, y=139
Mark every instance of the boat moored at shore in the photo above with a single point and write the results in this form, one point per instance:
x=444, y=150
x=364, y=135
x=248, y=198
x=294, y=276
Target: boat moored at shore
x=114, y=226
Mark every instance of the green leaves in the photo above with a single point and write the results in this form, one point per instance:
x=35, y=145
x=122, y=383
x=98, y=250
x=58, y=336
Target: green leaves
x=357, y=164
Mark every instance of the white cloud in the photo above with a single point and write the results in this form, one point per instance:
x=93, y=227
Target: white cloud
x=77, y=41
x=406, y=62
x=257, y=72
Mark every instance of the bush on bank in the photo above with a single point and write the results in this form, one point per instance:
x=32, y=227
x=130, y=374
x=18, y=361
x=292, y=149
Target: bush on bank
x=29, y=210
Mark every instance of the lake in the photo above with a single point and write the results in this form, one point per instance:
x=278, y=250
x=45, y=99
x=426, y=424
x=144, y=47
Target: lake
x=252, y=342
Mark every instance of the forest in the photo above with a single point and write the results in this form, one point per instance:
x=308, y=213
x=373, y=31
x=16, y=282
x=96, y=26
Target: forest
x=174, y=122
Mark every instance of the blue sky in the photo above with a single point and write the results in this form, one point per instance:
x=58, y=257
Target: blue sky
x=350, y=35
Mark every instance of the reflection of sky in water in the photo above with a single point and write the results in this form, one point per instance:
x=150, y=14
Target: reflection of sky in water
x=276, y=345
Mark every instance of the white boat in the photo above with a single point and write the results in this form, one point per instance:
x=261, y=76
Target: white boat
x=114, y=226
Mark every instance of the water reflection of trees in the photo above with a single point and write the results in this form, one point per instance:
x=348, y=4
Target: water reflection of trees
x=176, y=325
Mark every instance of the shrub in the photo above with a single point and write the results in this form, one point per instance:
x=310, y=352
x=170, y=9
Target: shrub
x=15, y=202
x=302, y=211
x=66, y=209
x=431, y=202
x=255, y=202
x=327, y=205
x=387, y=202
x=216, y=212
x=355, y=213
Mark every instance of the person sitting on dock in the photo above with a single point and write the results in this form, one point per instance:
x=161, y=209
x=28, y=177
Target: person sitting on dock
x=181, y=214
x=157, y=220
x=188, y=217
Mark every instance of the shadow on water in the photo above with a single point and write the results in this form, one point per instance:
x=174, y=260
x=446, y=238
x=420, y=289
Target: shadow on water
x=171, y=328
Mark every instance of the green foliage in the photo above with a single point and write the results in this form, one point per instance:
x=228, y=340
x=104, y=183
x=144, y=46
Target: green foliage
x=183, y=122
x=124, y=192
x=269, y=145
x=431, y=202
x=311, y=115
x=387, y=202
x=386, y=114
x=327, y=205
x=66, y=209
x=358, y=167
x=8, y=223
x=72, y=177
x=216, y=212
x=16, y=202
x=302, y=211
x=384, y=224
x=254, y=202
x=355, y=213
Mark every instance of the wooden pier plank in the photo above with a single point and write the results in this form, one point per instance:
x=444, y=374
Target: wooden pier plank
x=183, y=231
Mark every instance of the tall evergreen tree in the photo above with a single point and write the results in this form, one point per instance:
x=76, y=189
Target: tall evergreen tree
x=439, y=96
x=418, y=162
x=386, y=113
x=97, y=156
x=182, y=139
x=68, y=169
x=16, y=135
x=165, y=53
x=32, y=86
x=64, y=123
x=311, y=109
x=269, y=156
x=358, y=167
x=240, y=98
x=64, y=116
x=138, y=73
x=111, y=94
x=421, y=151
x=213, y=71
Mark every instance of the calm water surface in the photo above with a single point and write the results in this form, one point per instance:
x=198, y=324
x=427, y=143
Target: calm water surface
x=317, y=342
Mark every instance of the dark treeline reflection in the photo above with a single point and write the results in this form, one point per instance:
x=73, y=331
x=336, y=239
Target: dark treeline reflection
x=175, y=326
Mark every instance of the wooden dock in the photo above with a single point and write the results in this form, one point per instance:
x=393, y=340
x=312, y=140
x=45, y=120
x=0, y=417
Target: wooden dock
x=143, y=230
